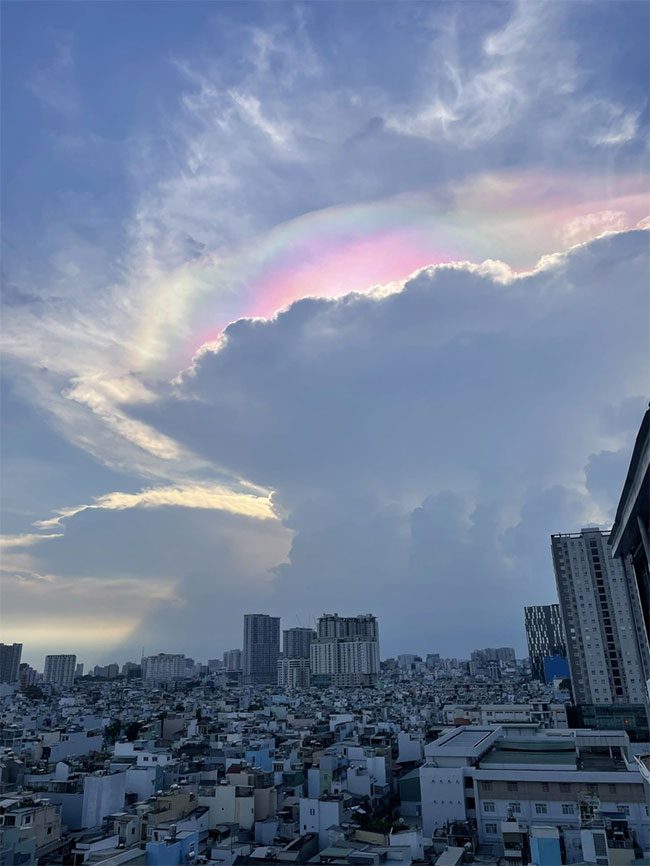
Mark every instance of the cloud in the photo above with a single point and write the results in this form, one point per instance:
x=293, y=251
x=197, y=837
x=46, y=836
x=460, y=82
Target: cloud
x=406, y=435
x=211, y=497
x=9, y=542
x=456, y=408
x=524, y=74
x=179, y=578
x=585, y=227
x=54, y=84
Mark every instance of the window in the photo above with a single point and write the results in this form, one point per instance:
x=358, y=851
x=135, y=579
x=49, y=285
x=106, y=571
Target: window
x=515, y=808
x=541, y=809
x=621, y=807
x=512, y=786
x=488, y=806
x=545, y=786
x=491, y=829
x=487, y=786
x=568, y=809
x=565, y=786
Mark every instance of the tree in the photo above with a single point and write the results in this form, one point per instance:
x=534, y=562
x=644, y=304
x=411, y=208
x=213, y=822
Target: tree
x=132, y=730
x=34, y=693
x=112, y=731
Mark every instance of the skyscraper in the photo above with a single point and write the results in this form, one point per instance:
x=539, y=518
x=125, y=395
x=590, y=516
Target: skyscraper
x=599, y=619
x=293, y=673
x=10, y=662
x=345, y=651
x=164, y=668
x=60, y=670
x=544, y=635
x=232, y=660
x=261, y=648
x=296, y=642
x=630, y=537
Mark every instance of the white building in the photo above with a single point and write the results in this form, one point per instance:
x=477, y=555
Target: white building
x=232, y=660
x=317, y=815
x=537, y=713
x=346, y=651
x=480, y=774
x=600, y=618
x=60, y=670
x=163, y=668
x=293, y=673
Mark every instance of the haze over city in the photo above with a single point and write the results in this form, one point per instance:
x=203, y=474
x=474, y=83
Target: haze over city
x=314, y=308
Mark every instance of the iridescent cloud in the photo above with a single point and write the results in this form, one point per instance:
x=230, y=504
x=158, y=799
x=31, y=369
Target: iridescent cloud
x=515, y=217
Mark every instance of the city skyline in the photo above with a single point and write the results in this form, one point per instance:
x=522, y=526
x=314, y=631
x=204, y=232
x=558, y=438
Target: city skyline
x=314, y=307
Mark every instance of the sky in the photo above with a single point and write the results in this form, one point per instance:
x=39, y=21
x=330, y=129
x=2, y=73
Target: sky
x=311, y=308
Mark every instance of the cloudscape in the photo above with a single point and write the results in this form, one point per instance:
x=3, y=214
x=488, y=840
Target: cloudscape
x=314, y=307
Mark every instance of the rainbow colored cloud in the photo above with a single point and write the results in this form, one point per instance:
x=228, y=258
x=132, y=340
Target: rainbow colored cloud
x=513, y=217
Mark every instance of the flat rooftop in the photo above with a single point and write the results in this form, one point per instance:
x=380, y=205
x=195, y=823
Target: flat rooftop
x=464, y=740
x=532, y=752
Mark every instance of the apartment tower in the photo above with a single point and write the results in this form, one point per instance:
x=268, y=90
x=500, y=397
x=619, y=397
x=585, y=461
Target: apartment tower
x=261, y=648
x=544, y=636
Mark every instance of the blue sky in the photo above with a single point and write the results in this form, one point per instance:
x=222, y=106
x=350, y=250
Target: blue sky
x=175, y=452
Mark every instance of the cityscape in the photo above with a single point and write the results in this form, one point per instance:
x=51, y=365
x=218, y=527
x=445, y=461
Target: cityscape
x=305, y=746
x=325, y=433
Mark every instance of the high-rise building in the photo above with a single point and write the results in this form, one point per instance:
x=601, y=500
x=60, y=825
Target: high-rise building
x=296, y=642
x=544, y=635
x=293, y=673
x=232, y=660
x=261, y=648
x=131, y=670
x=10, y=662
x=60, y=670
x=27, y=675
x=599, y=620
x=345, y=651
x=630, y=539
x=163, y=668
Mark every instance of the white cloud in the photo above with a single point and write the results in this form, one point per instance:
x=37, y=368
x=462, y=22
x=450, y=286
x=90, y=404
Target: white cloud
x=26, y=539
x=54, y=84
x=213, y=497
x=591, y=225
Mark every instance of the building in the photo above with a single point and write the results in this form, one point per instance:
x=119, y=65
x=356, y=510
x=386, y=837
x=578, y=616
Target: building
x=31, y=828
x=107, y=672
x=544, y=636
x=480, y=774
x=293, y=673
x=10, y=662
x=131, y=669
x=232, y=660
x=630, y=537
x=60, y=670
x=296, y=642
x=163, y=668
x=556, y=668
x=532, y=715
x=27, y=675
x=599, y=620
x=261, y=648
x=345, y=651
